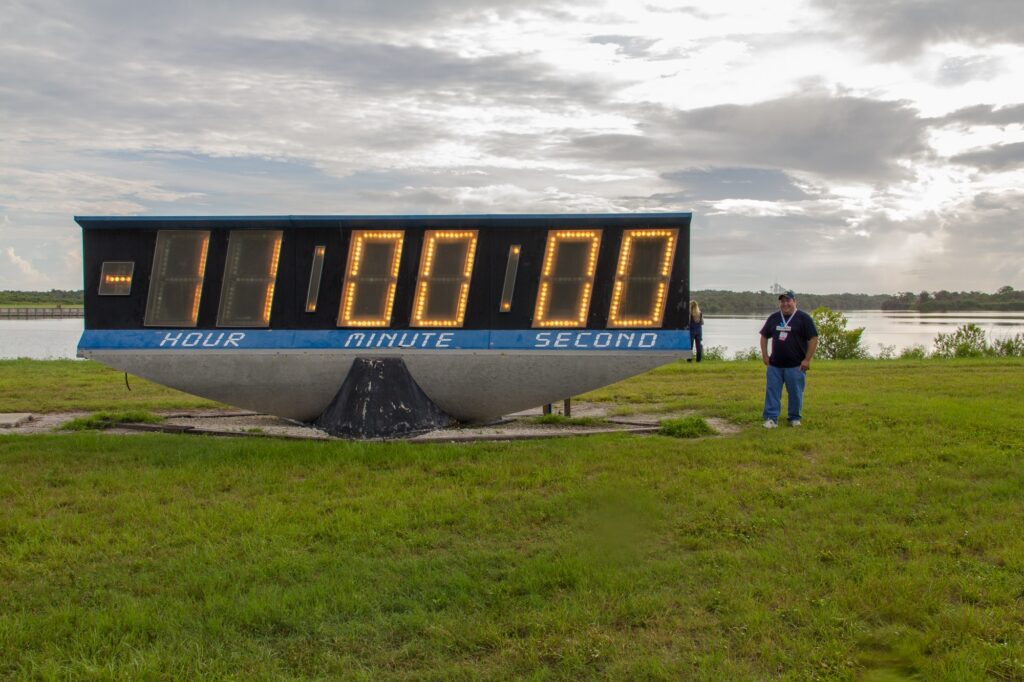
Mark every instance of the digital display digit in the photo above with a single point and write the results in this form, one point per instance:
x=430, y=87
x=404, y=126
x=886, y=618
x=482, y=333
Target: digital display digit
x=641, y=278
x=567, y=278
x=176, y=285
x=511, y=269
x=116, y=278
x=370, y=278
x=315, y=272
x=442, y=288
x=250, y=273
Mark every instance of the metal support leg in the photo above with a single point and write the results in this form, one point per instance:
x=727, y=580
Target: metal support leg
x=568, y=407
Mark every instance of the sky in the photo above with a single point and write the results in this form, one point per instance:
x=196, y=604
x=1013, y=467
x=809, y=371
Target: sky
x=874, y=146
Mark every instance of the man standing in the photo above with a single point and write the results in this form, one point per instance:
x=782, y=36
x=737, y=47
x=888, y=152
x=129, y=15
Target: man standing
x=794, y=340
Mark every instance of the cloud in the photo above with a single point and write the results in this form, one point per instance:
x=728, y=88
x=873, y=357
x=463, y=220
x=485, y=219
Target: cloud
x=960, y=70
x=737, y=183
x=833, y=137
x=743, y=115
x=1000, y=157
x=19, y=273
x=984, y=114
x=631, y=46
x=899, y=29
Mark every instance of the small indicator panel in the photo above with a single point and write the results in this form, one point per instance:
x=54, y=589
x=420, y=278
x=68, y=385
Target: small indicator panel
x=567, y=278
x=371, y=275
x=315, y=272
x=247, y=294
x=442, y=288
x=179, y=266
x=116, y=278
x=641, y=278
x=511, y=268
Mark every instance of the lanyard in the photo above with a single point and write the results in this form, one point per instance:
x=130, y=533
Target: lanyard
x=785, y=322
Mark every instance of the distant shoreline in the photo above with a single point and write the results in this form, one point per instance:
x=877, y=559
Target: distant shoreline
x=712, y=301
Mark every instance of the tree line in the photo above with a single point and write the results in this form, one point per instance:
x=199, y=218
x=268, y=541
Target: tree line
x=1006, y=298
x=43, y=298
x=721, y=302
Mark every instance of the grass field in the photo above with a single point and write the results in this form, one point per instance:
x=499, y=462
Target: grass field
x=883, y=540
x=69, y=385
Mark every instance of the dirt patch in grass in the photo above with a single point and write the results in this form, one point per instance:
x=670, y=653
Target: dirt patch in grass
x=586, y=419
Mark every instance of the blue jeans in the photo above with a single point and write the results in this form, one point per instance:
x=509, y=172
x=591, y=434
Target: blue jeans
x=794, y=379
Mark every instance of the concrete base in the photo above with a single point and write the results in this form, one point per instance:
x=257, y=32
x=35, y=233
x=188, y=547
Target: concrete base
x=11, y=420
x=472, y=386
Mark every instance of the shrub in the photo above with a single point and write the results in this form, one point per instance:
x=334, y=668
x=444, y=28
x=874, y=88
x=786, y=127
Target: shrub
x=687, y=427
x=886, y=351
x=967, y=341
x=1009, y=346
x=835, y=341
x=915, y=352
x=748, y=354
x=714, y=352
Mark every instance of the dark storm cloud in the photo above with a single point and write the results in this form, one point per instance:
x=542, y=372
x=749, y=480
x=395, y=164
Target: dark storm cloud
x=709, y=184
x=1000, y=157
x=896, y=29
x=837, y=137
x=985, y=114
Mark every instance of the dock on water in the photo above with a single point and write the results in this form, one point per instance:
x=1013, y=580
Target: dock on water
x=42, y=312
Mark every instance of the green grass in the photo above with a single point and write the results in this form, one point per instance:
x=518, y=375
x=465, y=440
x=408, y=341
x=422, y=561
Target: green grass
x=67, y=385
x=105, y=420
x=685, y=427
x=881, y=541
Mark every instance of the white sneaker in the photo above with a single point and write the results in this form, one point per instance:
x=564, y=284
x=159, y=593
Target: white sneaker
x=770, y=424
x=795, y=422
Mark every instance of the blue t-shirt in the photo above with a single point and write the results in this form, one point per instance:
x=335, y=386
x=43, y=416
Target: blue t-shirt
x=791, y=350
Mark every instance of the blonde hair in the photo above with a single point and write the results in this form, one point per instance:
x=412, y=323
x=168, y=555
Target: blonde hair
x=694, y=309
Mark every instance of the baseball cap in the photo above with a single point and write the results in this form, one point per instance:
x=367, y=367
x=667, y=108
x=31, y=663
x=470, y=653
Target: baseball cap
x=787, y=294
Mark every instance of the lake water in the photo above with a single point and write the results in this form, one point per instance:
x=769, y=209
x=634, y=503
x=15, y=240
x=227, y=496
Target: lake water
x=899, y=329
x=46, y=339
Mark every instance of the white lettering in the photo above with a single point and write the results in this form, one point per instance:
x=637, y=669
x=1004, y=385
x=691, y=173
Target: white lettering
x=543, y=340
x=579, y=338
x=172, y=340
x=405, y=342
x=444, y=340
x=627, y=336
x=562, y=339
x=234, y=338
x=209, y=337
x=603, y=340
x=369, y=341
x=353, y=337
x=426, y=338
x=648, y=340
x=388, y=339
x=192, y=340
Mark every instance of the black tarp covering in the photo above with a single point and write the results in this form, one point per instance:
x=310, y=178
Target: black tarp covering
x=380, y=399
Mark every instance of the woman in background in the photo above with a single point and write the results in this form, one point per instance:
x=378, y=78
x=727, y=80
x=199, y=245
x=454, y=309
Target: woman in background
x=696, y=330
